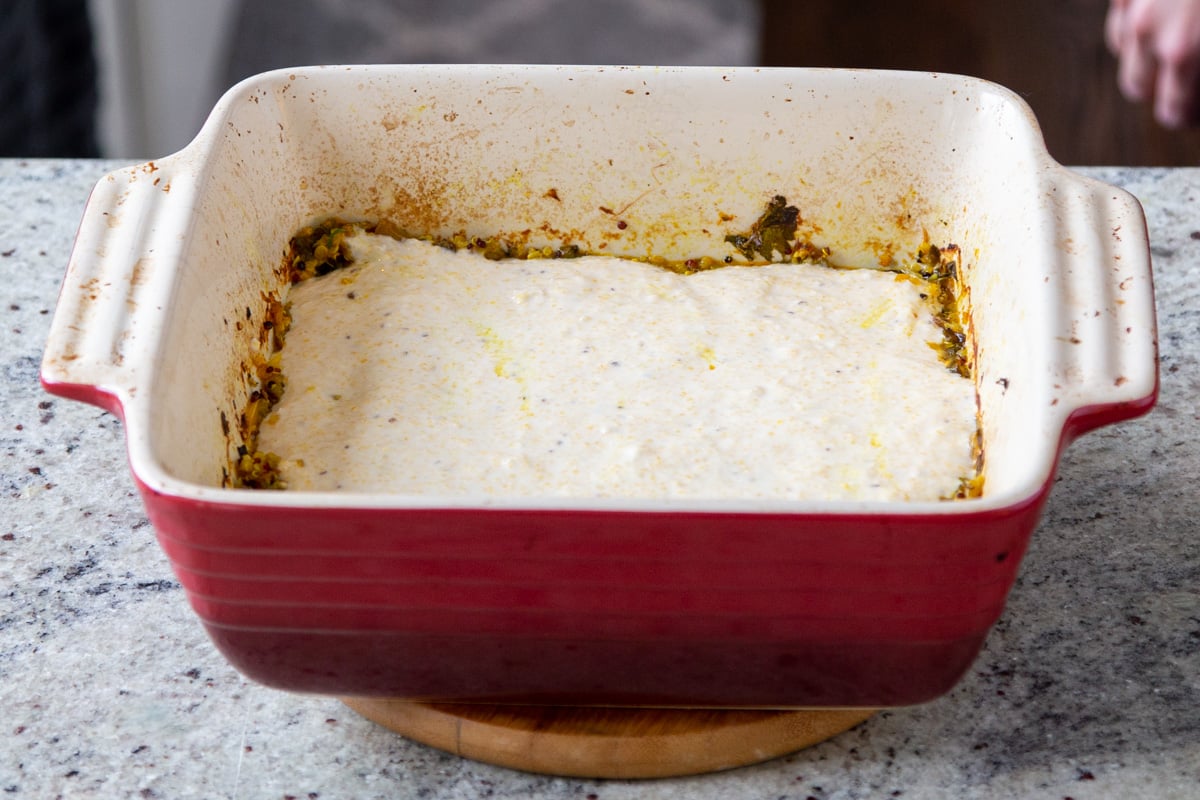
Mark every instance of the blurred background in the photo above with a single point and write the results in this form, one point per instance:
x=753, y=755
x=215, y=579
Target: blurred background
x=136, y=78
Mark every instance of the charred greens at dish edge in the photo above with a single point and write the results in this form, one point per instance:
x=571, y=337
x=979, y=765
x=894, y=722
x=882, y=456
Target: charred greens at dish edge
x=771, y=233
x=320, y=249
x=939, y=266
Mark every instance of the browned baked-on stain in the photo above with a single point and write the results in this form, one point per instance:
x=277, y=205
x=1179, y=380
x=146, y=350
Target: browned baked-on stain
x=910, y=210
x=885, y=251
x=137, y=275
x=552, y=194
x=1120, y=381
x=419, y=209
x=641, y=196
x=90, y=288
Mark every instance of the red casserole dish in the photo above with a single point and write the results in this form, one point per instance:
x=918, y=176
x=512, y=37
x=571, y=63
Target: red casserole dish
x=777, y=604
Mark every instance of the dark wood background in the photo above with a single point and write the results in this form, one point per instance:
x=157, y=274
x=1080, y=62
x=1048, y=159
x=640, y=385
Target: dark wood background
x=1051, y=52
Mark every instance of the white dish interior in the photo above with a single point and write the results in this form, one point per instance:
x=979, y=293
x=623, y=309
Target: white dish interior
x=165, y=292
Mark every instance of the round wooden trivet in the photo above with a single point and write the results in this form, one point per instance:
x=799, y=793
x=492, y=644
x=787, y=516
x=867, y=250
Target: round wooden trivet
x=607, y=742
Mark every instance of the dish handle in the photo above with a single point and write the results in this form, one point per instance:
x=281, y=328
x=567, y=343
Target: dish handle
x=1106, y=335
x=110, y=310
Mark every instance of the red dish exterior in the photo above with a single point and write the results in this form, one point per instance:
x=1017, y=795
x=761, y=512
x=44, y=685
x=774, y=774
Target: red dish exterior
x=599, y=607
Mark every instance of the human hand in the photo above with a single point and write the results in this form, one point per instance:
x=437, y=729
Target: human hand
x=1157, y=45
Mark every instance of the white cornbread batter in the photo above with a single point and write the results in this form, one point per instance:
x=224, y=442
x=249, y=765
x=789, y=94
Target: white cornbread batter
x=420, y=370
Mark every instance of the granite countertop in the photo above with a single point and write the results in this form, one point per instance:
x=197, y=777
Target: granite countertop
x=1088, y=687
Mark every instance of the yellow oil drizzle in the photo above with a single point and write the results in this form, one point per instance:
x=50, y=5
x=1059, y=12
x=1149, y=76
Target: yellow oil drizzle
x=497, y=349
x=876, y=314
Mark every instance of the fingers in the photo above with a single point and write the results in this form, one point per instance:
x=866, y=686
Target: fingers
x=1137, y=66
x=1175, y=93
x=1157, y=45
x=1114, y=25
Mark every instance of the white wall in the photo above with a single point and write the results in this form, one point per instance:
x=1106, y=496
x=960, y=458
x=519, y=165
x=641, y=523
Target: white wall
x=161, y=65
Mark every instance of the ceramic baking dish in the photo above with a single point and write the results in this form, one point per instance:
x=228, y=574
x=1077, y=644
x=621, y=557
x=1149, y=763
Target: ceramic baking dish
x=732, y=603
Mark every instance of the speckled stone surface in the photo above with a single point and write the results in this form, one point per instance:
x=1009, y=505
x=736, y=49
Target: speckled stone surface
x=1089, y=687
